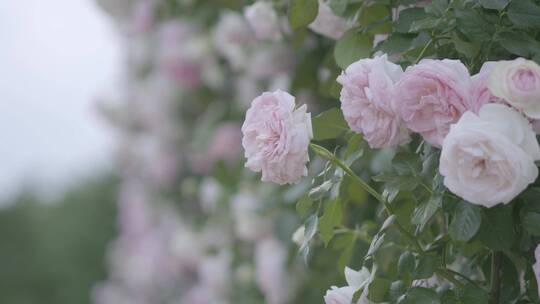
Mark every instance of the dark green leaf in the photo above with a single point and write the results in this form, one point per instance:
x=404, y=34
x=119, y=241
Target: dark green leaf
x=329, y=124
x=466, y=222
x=352, y=47
x=531, y=223
x=425, y=267
x=302, y=12
x=473, y=295
x=494, y=4
x=425, y=211
x=524, y=13
x=407, y=17
x=420, y=295
x=303, y=205
x=332, y=216
x=497, y=228
x=378, y=289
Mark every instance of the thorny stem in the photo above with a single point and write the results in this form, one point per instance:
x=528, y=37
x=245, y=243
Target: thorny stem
x=323, y=152
x=494, y=293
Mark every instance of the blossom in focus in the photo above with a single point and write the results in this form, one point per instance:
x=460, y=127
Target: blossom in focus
x=264, y=20
x=489, y=158
x=276, y=137
x=518, y=83
x=366, y=101
x=433, y=95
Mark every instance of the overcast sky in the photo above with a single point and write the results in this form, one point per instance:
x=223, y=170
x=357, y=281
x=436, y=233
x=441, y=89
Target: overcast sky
x=56, y=57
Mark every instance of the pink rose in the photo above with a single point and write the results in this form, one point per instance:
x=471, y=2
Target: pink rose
x=518, y=83
x=264, y=20
x=341, y=295
x=480, y=92
x=432, y=95
x=276, y=137
x=225, y=143
x=366, y=101
x=181, y=53
x=489, y=158
x=327, y=23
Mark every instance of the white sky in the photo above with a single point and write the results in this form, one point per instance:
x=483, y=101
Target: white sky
x=56, y=57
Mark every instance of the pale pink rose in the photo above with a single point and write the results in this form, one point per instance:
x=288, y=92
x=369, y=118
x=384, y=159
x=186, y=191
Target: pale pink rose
x=271, y=274
x=226, y=143
x=518, y=83
x=180, y=53
x=276, y=137
x=264, y=20
x=366, y=101
x=432, y=95
x=480, y=92
x=231, y=36
x=271, y=62
x=536, y=266
x=327, y=23
x=249, y=224
x=342, y=295
x=488, y=158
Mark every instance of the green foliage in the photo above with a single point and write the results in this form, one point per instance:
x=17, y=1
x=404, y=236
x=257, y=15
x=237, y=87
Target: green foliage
x=302, y=12
x=329, y=125
x=54, y=252
x=351, y=47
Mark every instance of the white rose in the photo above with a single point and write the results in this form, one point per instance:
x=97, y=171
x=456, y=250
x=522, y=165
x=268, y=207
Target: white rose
x=489, y=158
x=518, y=82
x=264, y=20
x=342, y=295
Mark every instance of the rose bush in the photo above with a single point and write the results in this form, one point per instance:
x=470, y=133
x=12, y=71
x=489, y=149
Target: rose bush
x=418, y=166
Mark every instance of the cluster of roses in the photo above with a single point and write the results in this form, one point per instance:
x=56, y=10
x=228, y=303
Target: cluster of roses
x=483, y=124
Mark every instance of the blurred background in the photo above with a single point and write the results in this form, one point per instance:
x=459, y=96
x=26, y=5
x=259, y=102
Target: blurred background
x=57, y=187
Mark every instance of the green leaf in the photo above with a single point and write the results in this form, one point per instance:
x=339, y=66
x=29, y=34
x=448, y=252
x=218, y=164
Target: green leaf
x=524, y=13
x=466, y=222
x=302, y=12
x=420, y=295
x=397, y=43
x=473, y=25
x=531, y=223
x=423, y=213
x=494, y=4
x=466, y=48
x=424, y=24
x=406, y=265
x=352, y=47
x=303, y=205
x=332, y=216
x=407, y=17
x=497, y=228
x=329, y=124
x=519, y=43
x=378, y=289
x=425, y=267
x=473, y=295
x=376, y=243
x=373, y=13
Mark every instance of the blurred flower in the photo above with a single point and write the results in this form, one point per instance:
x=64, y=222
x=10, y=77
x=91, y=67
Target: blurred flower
x=271, y=274
x=327, y=23
x=264, y=20
x=231, y=34
x=249, y=224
